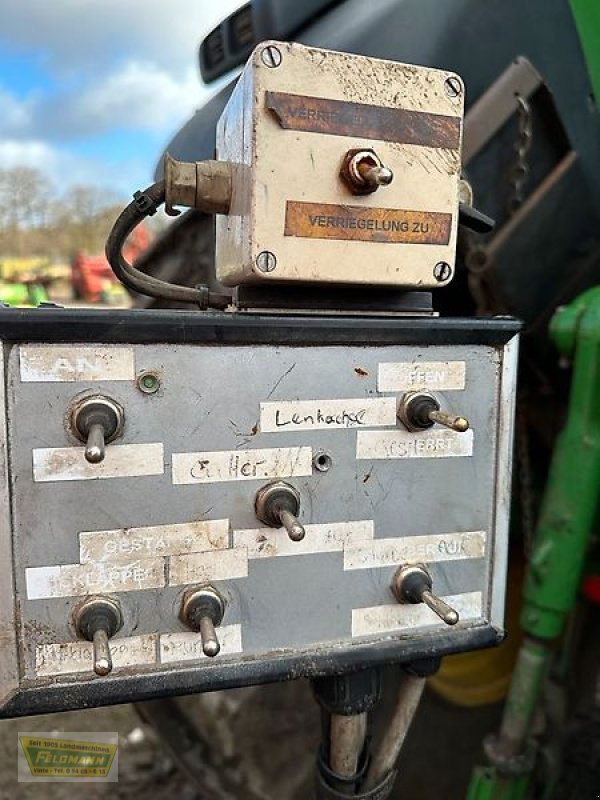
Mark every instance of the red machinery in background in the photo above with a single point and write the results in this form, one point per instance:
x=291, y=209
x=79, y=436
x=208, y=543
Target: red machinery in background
x=92, y=277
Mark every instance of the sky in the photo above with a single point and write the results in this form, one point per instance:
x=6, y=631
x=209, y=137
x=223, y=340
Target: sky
x=91, y=91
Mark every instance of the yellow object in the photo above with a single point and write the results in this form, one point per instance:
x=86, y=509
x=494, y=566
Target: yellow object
x=483, y=677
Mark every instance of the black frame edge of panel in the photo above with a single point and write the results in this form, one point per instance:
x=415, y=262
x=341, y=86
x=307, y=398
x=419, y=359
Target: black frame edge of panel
x=138, y=326
x=70, y=696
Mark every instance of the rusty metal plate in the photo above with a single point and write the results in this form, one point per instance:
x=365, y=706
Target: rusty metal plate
x=342, y=118
x=391, y=225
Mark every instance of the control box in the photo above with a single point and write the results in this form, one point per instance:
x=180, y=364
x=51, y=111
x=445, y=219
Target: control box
x=196, y=501
x=345, y=170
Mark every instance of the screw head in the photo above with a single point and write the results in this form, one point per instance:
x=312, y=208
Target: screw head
x=453, y=86
x=266, y=261
x=271, y=56
x=148, y=382
x=442, y=271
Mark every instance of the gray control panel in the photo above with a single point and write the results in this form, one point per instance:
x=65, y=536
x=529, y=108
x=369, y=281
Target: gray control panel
x=246, y=502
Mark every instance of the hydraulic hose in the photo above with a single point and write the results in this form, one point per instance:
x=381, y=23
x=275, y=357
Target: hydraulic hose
x=145, y=204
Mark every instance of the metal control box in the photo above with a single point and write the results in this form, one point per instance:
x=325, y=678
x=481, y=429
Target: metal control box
x=215, y=407
x=300, y=125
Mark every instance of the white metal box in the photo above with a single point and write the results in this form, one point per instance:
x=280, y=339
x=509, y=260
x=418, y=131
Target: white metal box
x=293, y=117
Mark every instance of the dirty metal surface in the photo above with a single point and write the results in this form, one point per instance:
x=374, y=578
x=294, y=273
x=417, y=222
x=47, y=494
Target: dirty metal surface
x=226, y=420
x=367, y=121
x=288, y=131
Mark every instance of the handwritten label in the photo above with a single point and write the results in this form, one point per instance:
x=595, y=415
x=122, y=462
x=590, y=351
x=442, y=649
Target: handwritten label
x=241, y=465
x=120, y=461
x=409, y=376
x=188, y=646
x=156, y=540
x=220, y=565
x=48, y=363
x=305, y=415
x=69, y=580
x=320, y=538
x=434, y=443
x=406, y=549
x=376, y=620
x=64, y=657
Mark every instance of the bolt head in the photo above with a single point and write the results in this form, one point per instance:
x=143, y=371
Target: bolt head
x=271, y=56
x=266, y=261
x=442, y=271
x=453, y=86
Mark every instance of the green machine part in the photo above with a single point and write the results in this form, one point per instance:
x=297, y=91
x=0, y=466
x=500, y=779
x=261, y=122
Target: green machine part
x=562, y=537
x=587, y=19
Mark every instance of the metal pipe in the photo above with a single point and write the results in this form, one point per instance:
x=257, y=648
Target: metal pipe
x=525, y=689
x=387, y=754
x=346, y=742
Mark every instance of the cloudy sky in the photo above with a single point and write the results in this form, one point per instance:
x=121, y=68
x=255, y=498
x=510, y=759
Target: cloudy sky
x=92, y=90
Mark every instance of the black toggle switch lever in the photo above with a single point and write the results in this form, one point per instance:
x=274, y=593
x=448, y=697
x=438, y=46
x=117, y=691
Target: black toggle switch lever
x=474, y=220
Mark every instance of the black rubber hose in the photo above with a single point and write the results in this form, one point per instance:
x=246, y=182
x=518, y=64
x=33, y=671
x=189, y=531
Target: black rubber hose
x=144, y=205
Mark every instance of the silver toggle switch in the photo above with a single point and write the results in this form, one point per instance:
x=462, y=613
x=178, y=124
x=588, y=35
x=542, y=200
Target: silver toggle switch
x=277, y=505
x=97, y=620
x=413, y=584
x=97, y=421
x=202, y=610
x=420, y=410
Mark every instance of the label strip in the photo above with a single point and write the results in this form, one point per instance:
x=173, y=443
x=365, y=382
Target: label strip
x=241, y=465
x=367, y=224
x=310, y=415
x=433, y=443
x=156, y=540
x=176, y=647
x=320, y=538
x=219, y=565
x=377, y=620
x=72, y=580
x=65, y=657
x=410, y=376
x=407, y=549
x=49, y=363
x=344, y=118
x=120, y=461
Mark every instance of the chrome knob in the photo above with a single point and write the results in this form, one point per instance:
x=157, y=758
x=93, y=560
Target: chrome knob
x=420, y=410
x=202, y=610
x=413, y=584
x=97, y=620
x=97, y=421
x=277, y=505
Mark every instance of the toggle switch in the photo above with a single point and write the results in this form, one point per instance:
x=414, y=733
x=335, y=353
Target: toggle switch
x=97, y=421
x=420, y=410
x=97, y=620
x=413, y=584
x=363, y=171
x=277, y=505
x=202, y=610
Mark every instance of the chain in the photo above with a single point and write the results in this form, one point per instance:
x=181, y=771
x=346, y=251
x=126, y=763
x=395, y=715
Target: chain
x=519, y=172
x=477, y=257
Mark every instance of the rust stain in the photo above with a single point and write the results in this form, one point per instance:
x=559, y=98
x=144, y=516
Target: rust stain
x=361, y=223
x=362, y=373
x=343, y=118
